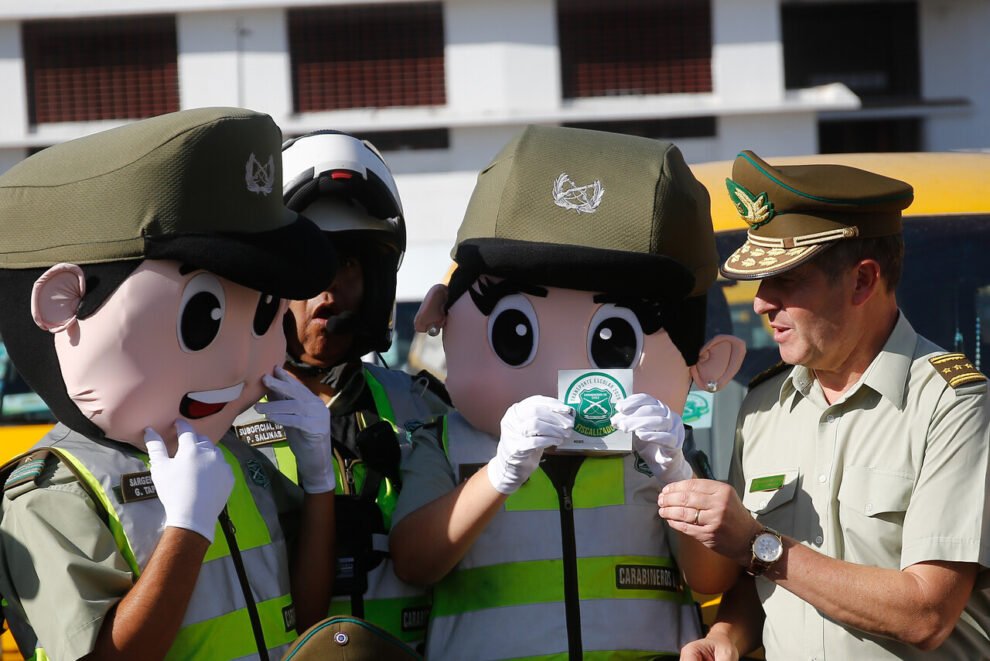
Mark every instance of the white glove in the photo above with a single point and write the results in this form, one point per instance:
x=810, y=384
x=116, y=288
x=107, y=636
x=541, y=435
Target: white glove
x=193, y=486
x=658, y=435
x=528, y=427
x=307, y=427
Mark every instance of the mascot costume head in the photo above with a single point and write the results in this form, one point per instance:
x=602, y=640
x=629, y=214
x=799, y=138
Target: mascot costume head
x=143, y=272
x=579, y=250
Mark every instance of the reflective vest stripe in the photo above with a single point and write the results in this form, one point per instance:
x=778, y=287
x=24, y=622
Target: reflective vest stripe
x=224, y=636
x=382, y=403
x=538, y=581
x=599, y=484
x=113, y=521
x=286, y=462
x=409, y=612
x=266, y=566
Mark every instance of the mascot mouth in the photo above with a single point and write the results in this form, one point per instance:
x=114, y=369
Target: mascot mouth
x=196, y=405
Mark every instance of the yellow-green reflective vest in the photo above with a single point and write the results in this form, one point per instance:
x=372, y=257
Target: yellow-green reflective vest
x=577, y=569
x=399, y=608
x=216, y=625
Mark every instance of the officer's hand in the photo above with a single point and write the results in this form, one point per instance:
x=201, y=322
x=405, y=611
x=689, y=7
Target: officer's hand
x=714, y=647
x=710, y=512
x=193, y=486
x=528, y=427
x=658, y=435
x=307, y=427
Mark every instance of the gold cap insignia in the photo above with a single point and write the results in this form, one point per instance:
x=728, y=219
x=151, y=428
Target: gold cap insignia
x=756, y=210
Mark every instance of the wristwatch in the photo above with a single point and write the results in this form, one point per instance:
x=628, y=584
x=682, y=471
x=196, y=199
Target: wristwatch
x=767, y=549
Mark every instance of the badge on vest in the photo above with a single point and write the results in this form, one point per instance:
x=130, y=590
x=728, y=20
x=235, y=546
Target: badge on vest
x=289, y=617
x=262, y=432
x=415, y=618
x=646, y=577
x=135, y=487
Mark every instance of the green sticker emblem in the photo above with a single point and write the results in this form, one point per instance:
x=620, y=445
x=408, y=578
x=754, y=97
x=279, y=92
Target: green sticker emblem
x=756, y=210
x=695, y=408
x=768, y=483
x=593, y=398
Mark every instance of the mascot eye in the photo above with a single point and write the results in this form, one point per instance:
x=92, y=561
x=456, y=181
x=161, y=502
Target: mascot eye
x=200, y=313
x=513, y=331
x=615, y=338
x=264, y=314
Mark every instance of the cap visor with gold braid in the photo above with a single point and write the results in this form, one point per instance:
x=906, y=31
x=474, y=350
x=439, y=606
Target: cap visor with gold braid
x=795, y=212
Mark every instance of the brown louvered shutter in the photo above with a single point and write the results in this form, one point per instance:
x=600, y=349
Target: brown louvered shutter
x=624, y=47
x=96, y=69
x=371, y=56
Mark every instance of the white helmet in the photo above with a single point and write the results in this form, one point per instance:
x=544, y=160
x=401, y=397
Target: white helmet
x=343, y=185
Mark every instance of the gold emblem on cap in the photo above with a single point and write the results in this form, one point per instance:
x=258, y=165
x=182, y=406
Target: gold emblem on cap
x=756, y=210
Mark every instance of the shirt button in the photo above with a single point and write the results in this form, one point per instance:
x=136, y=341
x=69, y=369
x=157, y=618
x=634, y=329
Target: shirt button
x=869, y=508
x=823, y=478
x=764, y=504
x=830, y=419
x=819, y=540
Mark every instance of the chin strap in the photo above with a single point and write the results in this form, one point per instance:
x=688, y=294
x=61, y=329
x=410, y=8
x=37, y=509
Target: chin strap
x=329, y=376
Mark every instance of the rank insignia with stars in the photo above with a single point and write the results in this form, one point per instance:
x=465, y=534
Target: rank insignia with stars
x=956, y=369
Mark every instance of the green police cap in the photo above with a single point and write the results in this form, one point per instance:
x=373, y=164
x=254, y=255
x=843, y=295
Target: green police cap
x=590, y=210
x=794, y=212
x=203, y=187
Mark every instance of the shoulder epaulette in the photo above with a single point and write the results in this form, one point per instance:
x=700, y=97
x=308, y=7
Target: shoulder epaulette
x=768, y=374
x=24, y=470
x=956, y=369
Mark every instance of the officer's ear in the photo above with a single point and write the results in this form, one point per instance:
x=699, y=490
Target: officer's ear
x=431, y=316
x=55, y=297
x=718, y=362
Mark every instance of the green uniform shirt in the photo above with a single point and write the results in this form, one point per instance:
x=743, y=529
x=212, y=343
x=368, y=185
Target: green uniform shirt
x=891, y=475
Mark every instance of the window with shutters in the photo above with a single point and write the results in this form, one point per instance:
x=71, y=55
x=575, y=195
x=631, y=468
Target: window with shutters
x=367, y=56
x=624, y=47
x=96, y=69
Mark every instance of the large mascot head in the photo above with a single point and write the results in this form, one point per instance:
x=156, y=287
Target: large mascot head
x=579, y=249
x=143, y=271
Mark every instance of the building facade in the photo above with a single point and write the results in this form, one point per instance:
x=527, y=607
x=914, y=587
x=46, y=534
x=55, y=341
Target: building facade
x=439, y=86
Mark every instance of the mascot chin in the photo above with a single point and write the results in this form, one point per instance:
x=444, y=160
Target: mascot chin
x=145, y=270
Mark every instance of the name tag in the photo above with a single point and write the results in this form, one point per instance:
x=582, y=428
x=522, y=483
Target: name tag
x=768, y=483
x=137, y=486
x=263, y=432
x=646, y=577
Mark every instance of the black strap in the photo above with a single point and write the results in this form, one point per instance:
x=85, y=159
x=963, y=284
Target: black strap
x=235, y=554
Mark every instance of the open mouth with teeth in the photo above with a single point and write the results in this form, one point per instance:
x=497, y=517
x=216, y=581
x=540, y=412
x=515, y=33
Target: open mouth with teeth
x=196, y=405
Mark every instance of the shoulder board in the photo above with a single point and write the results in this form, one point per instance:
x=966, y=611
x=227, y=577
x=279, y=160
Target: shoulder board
x=24, y=469
x=956, y=369
x=769, y=373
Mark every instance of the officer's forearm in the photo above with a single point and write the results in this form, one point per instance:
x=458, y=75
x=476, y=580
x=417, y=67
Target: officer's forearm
x=429, y=542
x=313, y=566
x=740, y=616
x=144, y=624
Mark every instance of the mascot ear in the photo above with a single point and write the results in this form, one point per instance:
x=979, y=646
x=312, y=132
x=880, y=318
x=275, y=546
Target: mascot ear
x=718, y=362
x=430, y=317
x=55, y=297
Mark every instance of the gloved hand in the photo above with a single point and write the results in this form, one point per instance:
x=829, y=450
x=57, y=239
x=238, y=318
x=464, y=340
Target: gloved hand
x=193, y=486
x=528, y=427
x=307, y=427
x=658, y=435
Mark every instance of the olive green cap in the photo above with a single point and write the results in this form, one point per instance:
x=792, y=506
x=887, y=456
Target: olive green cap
x=203, y=187
x=591, y=210
x=348, y=638
x=796, y=211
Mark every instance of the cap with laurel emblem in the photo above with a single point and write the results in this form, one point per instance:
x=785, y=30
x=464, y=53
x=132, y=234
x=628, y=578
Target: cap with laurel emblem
x=796, y=211
x=200, y=186
x=591, y=210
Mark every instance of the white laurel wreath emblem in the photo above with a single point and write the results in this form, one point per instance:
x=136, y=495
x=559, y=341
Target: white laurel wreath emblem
x=583, y=199
x=260, y=178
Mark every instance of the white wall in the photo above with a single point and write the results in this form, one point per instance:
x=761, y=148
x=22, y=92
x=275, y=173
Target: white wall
x=776, y=135
x=13, y=108
x=956, y=64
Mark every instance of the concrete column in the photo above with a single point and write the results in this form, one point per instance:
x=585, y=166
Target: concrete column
x=793, y=134
x=747, y=54
x=13, y=110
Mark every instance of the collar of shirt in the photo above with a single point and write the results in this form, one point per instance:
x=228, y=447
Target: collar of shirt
x=887, y=374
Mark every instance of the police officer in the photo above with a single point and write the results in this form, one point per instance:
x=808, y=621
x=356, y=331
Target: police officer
x=858, y=481
x=343, y=185
x=143, y=276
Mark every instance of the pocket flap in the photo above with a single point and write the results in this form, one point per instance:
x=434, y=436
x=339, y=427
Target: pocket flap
x=768, y=492
x=871, y=491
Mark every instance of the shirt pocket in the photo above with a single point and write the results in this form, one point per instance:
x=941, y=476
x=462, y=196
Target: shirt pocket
x=872, y=505
x=766, y=495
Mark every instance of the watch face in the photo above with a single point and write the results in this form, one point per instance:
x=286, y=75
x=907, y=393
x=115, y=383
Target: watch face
x=767, y=547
